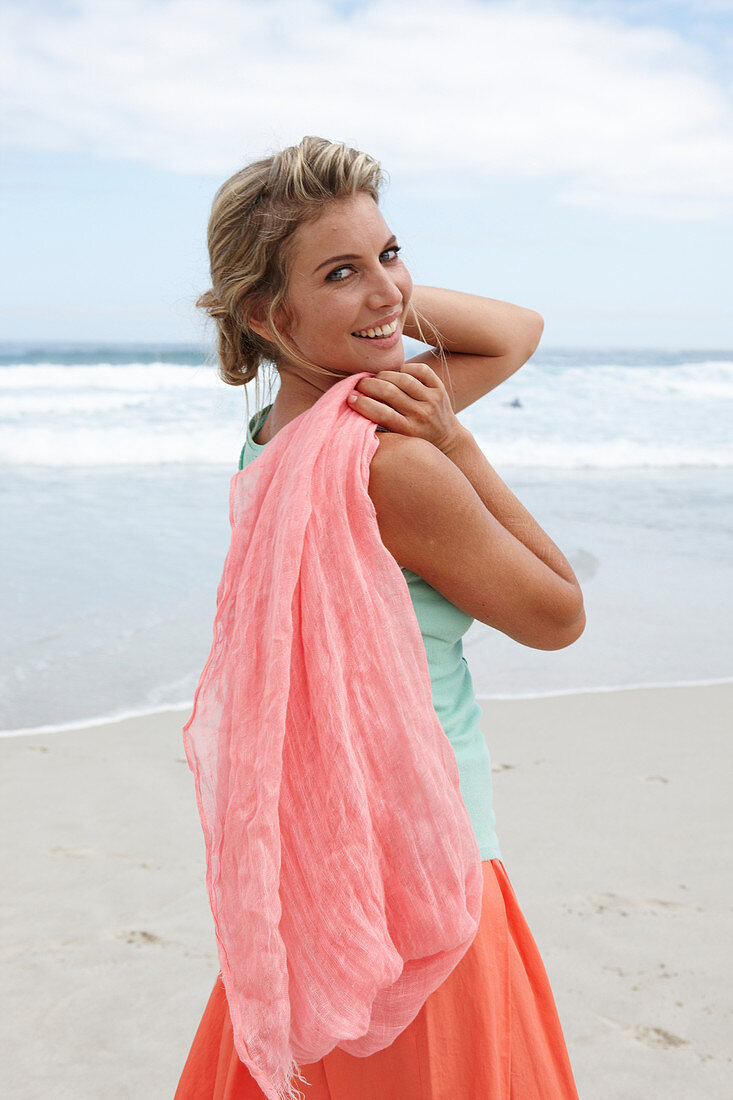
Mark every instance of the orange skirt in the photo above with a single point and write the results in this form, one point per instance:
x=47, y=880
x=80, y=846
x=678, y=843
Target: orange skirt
x=489, y=1032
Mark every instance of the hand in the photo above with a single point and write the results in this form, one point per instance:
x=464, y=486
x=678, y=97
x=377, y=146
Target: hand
x=410, y=401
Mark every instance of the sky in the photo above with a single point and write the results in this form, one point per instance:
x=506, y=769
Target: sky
x=573, y=157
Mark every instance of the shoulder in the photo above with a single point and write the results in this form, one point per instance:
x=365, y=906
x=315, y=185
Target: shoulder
x=416, y=491
x=400, y=460
x=395, y=449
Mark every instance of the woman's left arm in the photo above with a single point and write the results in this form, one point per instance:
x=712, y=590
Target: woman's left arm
x=486, y=340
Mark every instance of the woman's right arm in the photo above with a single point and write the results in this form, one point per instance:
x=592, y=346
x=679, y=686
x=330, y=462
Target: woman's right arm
x=452, y=520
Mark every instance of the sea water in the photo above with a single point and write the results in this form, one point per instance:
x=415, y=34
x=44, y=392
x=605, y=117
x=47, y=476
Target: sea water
x=115, y=466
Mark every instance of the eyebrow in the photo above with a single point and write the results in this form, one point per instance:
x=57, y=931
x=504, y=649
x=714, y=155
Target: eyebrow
x=351, y=256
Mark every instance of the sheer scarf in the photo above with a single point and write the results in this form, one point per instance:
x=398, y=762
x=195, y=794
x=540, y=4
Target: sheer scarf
x=342, y=870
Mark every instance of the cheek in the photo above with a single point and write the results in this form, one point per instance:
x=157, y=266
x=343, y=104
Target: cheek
x=325, y=329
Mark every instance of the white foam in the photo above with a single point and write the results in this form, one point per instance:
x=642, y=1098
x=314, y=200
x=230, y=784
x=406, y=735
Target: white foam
x=145, y=377
x=40, y=447
x=559, y=416
x=524, y=451
x=104, y=720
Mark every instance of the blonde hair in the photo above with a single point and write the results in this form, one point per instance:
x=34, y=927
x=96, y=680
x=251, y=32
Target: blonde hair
x=250, y=232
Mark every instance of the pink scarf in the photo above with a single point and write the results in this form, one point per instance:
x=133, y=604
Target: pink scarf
x=342, y=870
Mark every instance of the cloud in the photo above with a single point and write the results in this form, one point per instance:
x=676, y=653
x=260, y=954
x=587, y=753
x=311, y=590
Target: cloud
x=624, y=119
x=695, y=8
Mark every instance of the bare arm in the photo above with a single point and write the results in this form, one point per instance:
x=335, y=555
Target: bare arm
x=508, y=509
x=473, y=541
x=486, y=339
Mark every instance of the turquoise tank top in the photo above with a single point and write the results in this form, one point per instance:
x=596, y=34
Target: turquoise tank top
x=442, y=626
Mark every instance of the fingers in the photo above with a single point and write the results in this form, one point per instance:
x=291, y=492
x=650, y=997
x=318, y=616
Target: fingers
x=390, y=382
x=421, y=371
x=376, y=411
x=396, y=389
x=399, y=399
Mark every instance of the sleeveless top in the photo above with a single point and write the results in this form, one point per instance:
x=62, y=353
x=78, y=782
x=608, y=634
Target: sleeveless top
x=442, y=626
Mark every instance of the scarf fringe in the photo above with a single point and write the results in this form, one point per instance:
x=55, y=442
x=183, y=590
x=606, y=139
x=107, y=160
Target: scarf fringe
x=289, y=1091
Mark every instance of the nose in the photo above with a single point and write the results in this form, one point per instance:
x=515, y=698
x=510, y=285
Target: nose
x=384, y=291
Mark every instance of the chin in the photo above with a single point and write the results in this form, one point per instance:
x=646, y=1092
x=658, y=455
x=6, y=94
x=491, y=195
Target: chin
x=384, y=360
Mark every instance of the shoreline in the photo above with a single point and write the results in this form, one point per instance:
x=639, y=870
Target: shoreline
x=182, y=708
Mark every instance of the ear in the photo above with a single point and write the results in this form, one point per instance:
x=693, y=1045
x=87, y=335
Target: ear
x=259, y=323
x=257, y=320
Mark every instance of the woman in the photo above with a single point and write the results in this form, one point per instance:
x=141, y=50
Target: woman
x=307, y=274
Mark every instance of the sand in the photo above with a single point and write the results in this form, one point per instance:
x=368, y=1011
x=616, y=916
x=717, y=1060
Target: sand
x=613, y=811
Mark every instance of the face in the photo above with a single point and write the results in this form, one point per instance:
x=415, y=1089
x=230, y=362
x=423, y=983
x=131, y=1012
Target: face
x=346, y=277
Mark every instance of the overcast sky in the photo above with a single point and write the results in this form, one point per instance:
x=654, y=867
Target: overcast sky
x=576, y=158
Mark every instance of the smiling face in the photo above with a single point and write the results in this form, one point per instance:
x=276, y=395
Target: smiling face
x=345, y=276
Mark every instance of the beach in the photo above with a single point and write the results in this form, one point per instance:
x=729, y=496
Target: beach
x=612, y=808
x=611, y=757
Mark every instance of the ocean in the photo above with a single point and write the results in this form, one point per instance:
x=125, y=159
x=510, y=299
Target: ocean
x=115, y=465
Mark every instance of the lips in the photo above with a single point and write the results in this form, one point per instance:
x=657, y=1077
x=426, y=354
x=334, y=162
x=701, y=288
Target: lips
x=383, y=343
x=378, y=333
x=379, y=329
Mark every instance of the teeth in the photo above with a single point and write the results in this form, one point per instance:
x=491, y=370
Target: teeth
x=384, y=330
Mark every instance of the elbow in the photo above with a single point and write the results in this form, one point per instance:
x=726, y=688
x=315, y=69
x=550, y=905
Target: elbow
x=563, y=625
x=537, y=327
x=564, y=636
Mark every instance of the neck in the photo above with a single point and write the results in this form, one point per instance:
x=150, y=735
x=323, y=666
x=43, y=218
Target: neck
x=294, y=396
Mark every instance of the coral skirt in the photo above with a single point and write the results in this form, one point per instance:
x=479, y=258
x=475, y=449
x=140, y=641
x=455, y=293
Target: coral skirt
x=489, y=1032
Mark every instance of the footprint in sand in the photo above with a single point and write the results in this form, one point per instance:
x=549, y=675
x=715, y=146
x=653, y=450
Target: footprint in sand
x=617, y=905
x=657, y=1037
x=140, y=937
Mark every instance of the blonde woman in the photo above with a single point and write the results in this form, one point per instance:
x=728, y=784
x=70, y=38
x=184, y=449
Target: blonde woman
x=308, y=276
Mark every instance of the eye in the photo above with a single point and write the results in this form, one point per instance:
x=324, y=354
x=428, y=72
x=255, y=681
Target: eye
x=335, y=277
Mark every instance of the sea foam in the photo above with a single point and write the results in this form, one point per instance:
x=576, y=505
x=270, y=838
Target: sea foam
x=564, y=411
